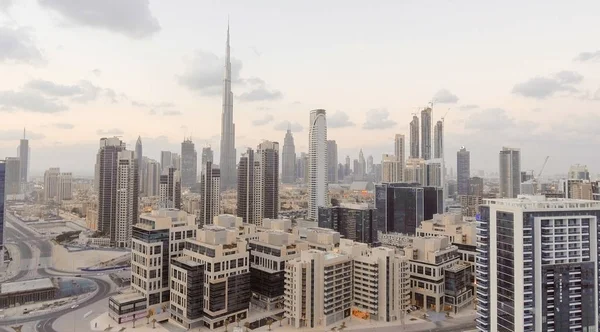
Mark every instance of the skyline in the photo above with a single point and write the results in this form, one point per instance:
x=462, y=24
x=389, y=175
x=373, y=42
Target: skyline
x=369, y=77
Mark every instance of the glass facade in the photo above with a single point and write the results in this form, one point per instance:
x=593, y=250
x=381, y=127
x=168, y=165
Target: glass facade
x=354, y=224
x=2, y=183
x=505, y=265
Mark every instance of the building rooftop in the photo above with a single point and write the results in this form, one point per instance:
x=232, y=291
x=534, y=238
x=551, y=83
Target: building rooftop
x=458, y=267
x=187, y=261
x=127, y=297
x=534, y=203
x=29, y=285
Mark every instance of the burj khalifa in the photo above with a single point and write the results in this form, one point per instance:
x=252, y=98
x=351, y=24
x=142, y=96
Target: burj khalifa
x=227, y=162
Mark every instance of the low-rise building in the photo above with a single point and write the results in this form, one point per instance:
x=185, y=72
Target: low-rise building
x=323, y=239
x=355, y=222
x=127, y=307
x=29, y=291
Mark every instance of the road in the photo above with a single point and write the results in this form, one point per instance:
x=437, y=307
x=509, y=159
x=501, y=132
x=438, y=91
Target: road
x=36, y=261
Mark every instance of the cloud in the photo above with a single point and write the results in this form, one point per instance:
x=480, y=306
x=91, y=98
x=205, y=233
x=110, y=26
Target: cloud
x=5, y=5
x=53, y=89
x=263, y=121
x=543, y=87
x=284, y=125
x=18, y=46
x=378, y=119
x=260, y=94
x=588, y=56
x=339, y=119
x=63, y=125
x=110, y=132
x=14, y=135
x=171, y=113
x=97, y=72
x=468, y=107
x=204, y=73
x=489, y=119
x=131, y=18
x=29, y=101
x=82, y=92
x=445, y=97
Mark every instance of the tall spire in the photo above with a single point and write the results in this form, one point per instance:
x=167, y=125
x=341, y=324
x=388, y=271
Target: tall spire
x=24, y=133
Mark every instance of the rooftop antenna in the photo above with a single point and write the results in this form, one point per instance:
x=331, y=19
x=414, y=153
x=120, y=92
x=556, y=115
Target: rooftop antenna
x=24, y=133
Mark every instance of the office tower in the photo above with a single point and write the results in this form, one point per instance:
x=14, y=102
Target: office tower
x=399, y=151
x=414, y=137
x=355, y=222
x=317, y=163
x=526, y=176
x=356, y=170
x=268, y=255
x=370, y=164
x=510, y=172
x=426, y=133
x=227, y=164
x=476, y=186
x=187, y=292
x=381, y=281
x=245, y=188
x=156, y=238
x=117, y=190
x=139, y=156
x=23, y=153
x=152, y=177
x=207, y=155
x=332, y=161
x=12, y=182
x=288, y=159
x=226, y=287
x=318, y=288
x=537, y=265
x=347, y=166
x=51, y=185
x=377, y=171
x=2, y=200
x=176, y=161
x=463, y=170
x=170, y=189
x=579, y=172
x=402, y=206
x=267, y=154
x=127, y=199
x=189, y=163
x=302, y=167
x=166, y=160
x=65, y=187
x=210, y=190
x=341, y=172
x=362, y=164
x=438, y=140
x=433, y=173
x=415, y=171
x=392, y=169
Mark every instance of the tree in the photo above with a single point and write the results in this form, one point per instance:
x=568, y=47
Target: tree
x=333, y=329
x=280, y=318
x=343, y=326
x=247, y=326
x=269, y=323
x=17, y=328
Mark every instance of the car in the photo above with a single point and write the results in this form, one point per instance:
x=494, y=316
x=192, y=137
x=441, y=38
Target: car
x=74, y=306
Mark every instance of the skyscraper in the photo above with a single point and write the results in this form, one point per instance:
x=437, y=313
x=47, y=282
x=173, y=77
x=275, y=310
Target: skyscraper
x=400, y=154
x=245, y=187
x=578, y=172
x=288, y=159
x=210, y=190
x=65, y=186
x=362, y=163
x=117, y=190
x=317, y=163
x=152, y=177
x=268, y=158
x=438, y=139
x=227, y=164
x=537, y=265
x=23, y=154
x=332, y=161
x=510, y=172
x=414, y=137
x=176, y=161
x=170, y=189
x=166, y=160
x=392, y=169
x=189, y=163
x=463, y=170
x=347, y=166
x=139, y=156
x=426, y=133
x=51, y=184
x=2, y=199
x=12, y=184
x=207, y=155
x=370, y=164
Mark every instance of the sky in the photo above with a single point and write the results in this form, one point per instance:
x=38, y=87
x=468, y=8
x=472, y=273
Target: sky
x=523, y=75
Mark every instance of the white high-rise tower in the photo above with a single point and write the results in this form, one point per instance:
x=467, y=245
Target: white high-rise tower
x=227, y=163
x=317, y=163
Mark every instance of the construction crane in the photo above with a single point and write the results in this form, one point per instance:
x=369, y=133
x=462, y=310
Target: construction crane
x=539, y=175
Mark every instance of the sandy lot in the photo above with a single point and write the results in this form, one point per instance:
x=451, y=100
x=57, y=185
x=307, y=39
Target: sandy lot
x=71, y=261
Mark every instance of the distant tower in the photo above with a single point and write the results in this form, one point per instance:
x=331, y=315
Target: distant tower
x=332, y=161
x=51, y=184
x=400, y=154
x=139, y=156
x=189, y=163
x=362, y=163
x=23, y=154
x=438, y=137
x=463, y=171
x=12, y=184
x=317, y=163
x=170, y=189
x=210, y=190
x=426, y=133
x=228, y=156
x=288, y=159
x=347, y=166
x=414, y=137
x=245, y=187
x=2, y=199
x=166, y=160
x=127, y=199
x=510, y=172
x=207, y=155
x=152, y=177
x=370, y=164
x=267, y=155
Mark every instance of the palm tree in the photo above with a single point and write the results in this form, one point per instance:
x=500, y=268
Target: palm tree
x=333, y=329
x=247, y=326
x=269, y=323
x=238, y=320
x=343, y=326
x=154, y=323
x=17, y=328
x=226, y=324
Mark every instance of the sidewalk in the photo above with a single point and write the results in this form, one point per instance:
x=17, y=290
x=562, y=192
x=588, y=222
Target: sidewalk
x=103, y=322
x=13, y=267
